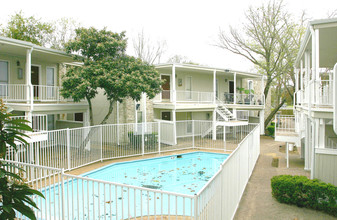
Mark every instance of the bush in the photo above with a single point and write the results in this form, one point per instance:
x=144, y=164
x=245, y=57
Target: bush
x=271, y=130
x=303, y=192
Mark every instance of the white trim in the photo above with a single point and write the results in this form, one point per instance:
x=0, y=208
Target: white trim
x=325, y=151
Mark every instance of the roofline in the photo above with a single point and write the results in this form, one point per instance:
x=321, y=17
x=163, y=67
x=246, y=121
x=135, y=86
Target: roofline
x=206, y=68
x=28, y=45
x=315, y=24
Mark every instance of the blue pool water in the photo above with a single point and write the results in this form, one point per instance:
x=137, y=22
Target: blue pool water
x=185, y=174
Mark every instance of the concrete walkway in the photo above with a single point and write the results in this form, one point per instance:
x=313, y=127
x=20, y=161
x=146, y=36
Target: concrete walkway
x=257, y=201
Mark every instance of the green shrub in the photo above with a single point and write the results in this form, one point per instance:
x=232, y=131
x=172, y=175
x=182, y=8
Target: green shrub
x=271, y=130
x=303, y=192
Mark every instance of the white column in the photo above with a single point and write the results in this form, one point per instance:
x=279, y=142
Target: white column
x=287, y=153
x=321, y=134
x=261, y=122
x=301, y=72
x=214, y=86
x=214, y=125
x=173, y=83
x=174, y=126
x=234, y=88
x=144, y=107
x=29, y=74
x=317, y=54
x=297, y=77
x=117, y=121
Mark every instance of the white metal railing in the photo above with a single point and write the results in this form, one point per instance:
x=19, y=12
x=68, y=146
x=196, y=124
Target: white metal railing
x=38, y=122
x=14, y=92
x=194, y=96
x=220, y=197
x=22, y=93
x=250, y=99
x=242, y=115
x=320, y=93
x=76, y=197
x=284, y=124
x=331, y=142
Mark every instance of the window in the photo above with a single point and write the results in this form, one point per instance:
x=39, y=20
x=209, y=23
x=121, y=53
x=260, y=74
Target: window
x=166, y=116
x=78, y=116
x=3, y=78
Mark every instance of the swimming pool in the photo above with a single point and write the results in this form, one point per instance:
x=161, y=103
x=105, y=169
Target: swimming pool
x=181, y=174
x=185, y=173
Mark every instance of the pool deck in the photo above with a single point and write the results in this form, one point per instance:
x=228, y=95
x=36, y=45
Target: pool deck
x=257, y=201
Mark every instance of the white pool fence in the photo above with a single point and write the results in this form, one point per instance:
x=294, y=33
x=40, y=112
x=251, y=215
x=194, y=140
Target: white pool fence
x=78, y=197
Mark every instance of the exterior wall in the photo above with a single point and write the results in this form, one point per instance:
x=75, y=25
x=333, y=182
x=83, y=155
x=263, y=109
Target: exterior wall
x=60, y=124
x=325, y=168
x=13, y=68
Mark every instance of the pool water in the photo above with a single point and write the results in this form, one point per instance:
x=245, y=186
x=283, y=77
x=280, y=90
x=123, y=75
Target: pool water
x=186, y=173
x=183, y=174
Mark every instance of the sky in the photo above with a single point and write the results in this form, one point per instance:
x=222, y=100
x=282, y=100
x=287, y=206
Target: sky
x=189, y=27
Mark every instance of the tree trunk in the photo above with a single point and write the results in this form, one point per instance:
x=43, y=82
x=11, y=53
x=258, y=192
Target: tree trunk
x=271, y=115
x=90, y=112
x=109, y=112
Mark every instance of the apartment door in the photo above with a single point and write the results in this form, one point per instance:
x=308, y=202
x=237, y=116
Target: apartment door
x=3, y=78
x=166, y=86
x=231, y=91
x=35, y=70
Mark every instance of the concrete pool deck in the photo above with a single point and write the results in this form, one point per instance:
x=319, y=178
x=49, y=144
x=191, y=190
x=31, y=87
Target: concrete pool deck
x=257, y=201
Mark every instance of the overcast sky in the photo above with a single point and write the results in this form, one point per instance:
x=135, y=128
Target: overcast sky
x=190, y=28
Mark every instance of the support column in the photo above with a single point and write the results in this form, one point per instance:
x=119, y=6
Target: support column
x=173, y=83
x=262, y=122
x=214, y=86
x=214, y=125
x=317, y=54
x=117, y=121
x=174, y=126
x=301, y=72
x=234, y=88
x=29, y=73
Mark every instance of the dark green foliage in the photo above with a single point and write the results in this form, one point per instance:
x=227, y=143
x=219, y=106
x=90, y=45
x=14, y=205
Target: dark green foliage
x=271, y=130
x=15, y=194
x=136, y=139
x=303, y=192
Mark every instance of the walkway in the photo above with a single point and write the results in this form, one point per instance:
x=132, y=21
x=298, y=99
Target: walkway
x=257, y=201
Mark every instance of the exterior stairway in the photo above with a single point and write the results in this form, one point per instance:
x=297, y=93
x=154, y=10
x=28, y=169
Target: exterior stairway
x=223, y=114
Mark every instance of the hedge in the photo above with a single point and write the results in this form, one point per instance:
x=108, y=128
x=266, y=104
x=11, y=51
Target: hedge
x=271, y=130
x=303, y=192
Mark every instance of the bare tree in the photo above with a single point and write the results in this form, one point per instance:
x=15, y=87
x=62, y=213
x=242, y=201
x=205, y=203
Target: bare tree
x=332, y=14
x=270, y=40
x=147, y=50
x=180, y=59
x=64, y=31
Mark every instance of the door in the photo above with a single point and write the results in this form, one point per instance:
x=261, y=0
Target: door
x=231, y=91
x=51, y=122
x=3, y=78
x=50, y=82
x=188, y=87
x=166, y=86
x=35, y=80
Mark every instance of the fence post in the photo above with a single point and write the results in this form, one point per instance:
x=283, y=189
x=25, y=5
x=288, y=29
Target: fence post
x=143, y=141
x=193, y=145
x=62, y=194
x=195, y=206
x=68, y=147
x=101, y=140
x=159, y=137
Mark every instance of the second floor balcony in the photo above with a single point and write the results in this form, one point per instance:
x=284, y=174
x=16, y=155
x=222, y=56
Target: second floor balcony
x=22, y=93
x=198, y=97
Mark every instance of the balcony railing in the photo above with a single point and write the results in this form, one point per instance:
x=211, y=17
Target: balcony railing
x=319, y=93
x=22, y=93
x=38, y=122
x=284, y=125
x=208, y=97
